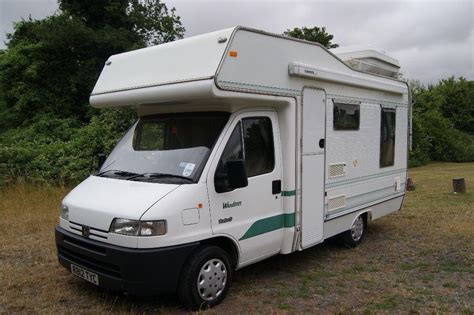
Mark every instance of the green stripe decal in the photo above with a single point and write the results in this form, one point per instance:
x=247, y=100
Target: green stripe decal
x=270, y=224
x=288, y=193
x=289, y=220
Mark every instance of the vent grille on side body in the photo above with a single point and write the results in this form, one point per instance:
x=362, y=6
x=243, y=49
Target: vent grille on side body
x=336, y=203
x=337, y=170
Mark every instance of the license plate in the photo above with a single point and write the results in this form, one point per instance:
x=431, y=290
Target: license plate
x=85, y=274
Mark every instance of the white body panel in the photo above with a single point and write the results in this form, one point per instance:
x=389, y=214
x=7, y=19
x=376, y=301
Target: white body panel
x=97, y=200
x=295, y=83
x=163, y=64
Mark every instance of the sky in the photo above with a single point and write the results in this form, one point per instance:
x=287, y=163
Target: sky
x=431, y=39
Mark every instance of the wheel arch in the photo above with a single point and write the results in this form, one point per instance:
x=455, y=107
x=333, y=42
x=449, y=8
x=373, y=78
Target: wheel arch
x=226, y=244
x=366, y=214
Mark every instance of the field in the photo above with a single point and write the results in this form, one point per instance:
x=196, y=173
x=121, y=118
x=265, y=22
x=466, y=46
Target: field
x=419, y=260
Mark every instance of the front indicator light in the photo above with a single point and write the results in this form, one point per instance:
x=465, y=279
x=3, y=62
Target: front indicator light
x=64, y=212
x=151, y=228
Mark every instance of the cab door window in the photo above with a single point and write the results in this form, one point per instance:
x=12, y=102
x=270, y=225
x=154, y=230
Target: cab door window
x=232, y=151
x=252, y=141
x=258, y=145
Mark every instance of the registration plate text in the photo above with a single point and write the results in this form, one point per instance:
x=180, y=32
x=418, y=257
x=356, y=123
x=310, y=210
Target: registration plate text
x=85, y=274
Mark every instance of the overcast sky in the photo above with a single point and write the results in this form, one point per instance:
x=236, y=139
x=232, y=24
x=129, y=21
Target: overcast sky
x=431, y=39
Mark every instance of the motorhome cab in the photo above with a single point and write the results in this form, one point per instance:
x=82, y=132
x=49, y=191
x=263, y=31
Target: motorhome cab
x=248, y=145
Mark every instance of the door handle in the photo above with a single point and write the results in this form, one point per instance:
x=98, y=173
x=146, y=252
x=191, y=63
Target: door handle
x=276, y=187
x=321, y=143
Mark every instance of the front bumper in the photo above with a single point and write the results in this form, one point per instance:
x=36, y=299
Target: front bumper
x=135, y=271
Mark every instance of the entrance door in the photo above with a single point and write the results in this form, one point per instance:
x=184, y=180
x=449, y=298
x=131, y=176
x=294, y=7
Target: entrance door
x=251, y=215
x=314, y=134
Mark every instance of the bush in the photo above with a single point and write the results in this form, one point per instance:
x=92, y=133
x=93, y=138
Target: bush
x=59, y=150
x=442, y=119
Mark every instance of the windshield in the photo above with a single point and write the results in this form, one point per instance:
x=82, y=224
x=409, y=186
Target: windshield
x=165, y=148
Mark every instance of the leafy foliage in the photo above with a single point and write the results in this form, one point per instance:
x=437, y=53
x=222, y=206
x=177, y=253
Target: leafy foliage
x=60, y=150
x=48, y=131
x=442, y=122
x=458, y=102
x=153, y=22
x=313, y=34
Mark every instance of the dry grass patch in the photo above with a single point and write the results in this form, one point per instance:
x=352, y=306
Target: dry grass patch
x=419, y=260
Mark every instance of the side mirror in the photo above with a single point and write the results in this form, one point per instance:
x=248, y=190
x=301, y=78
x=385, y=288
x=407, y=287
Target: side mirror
x=101, y=157
x=236, y=174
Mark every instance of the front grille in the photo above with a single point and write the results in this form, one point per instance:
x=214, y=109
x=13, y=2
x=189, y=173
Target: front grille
x=93, y=231
x=90, y=263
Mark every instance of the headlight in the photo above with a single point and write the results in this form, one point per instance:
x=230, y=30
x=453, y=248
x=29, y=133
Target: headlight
x=138, y=228
x=64, y=212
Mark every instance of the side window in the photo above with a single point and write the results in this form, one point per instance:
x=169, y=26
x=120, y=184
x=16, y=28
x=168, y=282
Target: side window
x=258, y=145
x=346, y=116
x=387, y=137
x=232, y=151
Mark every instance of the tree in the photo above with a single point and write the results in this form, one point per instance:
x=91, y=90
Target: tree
x=436, y=134
x=150, y=19
x=458, y=102
x=48, y=130
x=314, y=34
x=153, y=22
x=51, y=65
x=98, y=13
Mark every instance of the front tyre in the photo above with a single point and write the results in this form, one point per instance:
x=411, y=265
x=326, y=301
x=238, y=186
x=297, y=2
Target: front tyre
x=206, y=278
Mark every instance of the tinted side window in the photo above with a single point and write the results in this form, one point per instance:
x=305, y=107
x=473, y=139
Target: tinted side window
x=387, y=137
x=258, y=145
x=232, y=151
x=346, y=116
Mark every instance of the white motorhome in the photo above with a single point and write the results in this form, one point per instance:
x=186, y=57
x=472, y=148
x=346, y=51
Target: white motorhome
x=248, y=145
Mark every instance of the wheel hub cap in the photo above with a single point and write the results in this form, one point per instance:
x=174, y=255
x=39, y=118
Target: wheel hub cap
x=212, y=279
x=357, y=229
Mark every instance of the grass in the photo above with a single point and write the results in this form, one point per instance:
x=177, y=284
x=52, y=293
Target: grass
x=418, y=260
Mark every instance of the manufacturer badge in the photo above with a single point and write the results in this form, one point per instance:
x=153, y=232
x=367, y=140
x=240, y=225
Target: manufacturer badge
x=86, y=231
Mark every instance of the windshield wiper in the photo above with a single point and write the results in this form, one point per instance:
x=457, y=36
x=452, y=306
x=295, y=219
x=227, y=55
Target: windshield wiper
x=118, y=173
x=159, y=175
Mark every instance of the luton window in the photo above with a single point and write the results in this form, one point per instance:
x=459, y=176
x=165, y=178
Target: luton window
x=346, y=116
x=387, y=137
x=252, y=141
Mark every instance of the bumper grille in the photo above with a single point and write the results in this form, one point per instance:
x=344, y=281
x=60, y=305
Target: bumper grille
x=86, y=261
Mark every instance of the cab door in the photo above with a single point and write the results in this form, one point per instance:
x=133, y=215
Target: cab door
x=251, y=215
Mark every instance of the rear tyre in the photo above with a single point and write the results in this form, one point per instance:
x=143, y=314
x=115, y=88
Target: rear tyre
x=353, y=237
x=206, y=278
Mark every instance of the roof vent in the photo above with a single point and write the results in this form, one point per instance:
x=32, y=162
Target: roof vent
x=369, y=59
